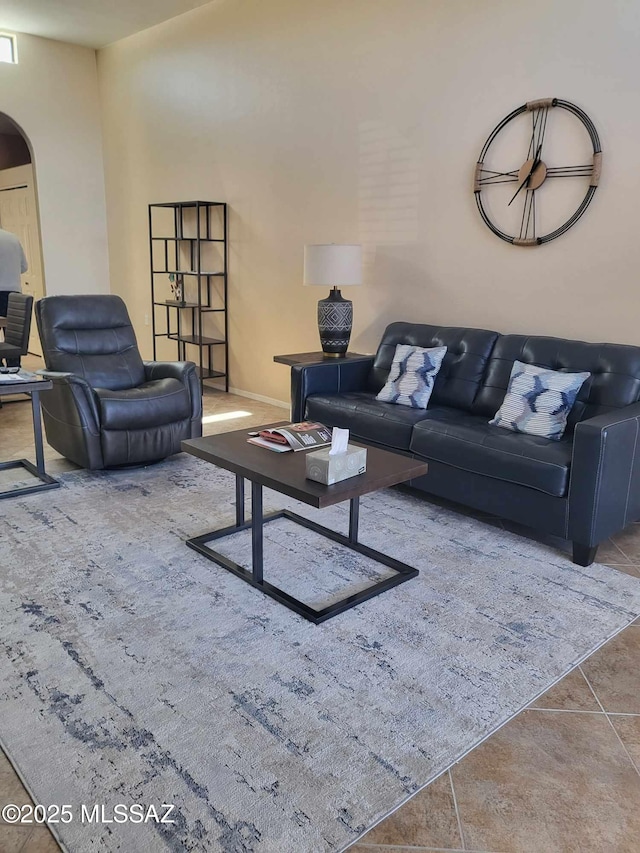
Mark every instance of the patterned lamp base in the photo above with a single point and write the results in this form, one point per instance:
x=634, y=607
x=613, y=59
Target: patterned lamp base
x=335, y=318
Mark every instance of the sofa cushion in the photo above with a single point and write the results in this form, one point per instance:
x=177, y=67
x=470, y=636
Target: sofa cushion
x=160, y=401
x=413, y=372
x=468, y=442
x=463, y=367
x=538, y=400
x=614, y=369
x=366, y=417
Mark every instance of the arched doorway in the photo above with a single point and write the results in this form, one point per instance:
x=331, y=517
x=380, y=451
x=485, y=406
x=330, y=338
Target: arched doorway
x=19, y=208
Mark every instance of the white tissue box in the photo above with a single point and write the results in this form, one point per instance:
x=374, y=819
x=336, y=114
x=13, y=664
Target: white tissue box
x=327, y=469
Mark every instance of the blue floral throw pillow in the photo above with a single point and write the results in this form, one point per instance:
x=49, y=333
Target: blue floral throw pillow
x=538, y=400
x=412, y=374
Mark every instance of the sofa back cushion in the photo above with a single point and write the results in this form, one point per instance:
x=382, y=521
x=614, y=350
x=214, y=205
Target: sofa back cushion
x=462, y=370
x=614, y=369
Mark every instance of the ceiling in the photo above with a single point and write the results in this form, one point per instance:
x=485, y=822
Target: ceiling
x=92, y=23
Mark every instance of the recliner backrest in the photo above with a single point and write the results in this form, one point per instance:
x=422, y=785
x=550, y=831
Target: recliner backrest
x=614, y=369
x=462, y=370
x=18, y=326
x=90, y=336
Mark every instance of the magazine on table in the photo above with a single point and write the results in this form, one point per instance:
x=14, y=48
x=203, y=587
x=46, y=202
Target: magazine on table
x=301, y=436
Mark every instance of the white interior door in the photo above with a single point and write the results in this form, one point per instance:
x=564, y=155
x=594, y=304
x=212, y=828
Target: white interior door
x=18, y=214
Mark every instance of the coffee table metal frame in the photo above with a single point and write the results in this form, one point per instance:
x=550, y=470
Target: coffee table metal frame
x=254, y=577
x=402, y=572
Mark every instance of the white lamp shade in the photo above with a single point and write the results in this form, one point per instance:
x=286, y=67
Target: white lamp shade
x=333, y=264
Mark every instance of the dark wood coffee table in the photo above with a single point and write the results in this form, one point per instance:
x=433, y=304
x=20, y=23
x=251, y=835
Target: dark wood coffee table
x=285, y=473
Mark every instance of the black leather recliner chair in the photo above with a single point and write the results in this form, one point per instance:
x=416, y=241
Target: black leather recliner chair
x=108, y=407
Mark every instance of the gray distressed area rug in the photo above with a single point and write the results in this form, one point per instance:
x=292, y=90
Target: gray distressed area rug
x=134, y=670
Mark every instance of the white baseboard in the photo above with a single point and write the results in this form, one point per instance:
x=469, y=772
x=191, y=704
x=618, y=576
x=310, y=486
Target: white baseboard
x=280, y=403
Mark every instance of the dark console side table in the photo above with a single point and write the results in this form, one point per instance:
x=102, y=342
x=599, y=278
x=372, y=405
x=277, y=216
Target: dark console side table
x=33, y=389
x=317, y=358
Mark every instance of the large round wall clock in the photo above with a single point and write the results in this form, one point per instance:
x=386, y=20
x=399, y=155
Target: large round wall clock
x=538, y=172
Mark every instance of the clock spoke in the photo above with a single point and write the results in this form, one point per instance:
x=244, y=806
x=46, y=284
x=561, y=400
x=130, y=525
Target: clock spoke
x=543, y=126
x=535, y=114
x=533, y=208
x=490, y=183
x=513, y=172
x=528, y=223
x=539, y=115
x=487, y=177
x=583, y=170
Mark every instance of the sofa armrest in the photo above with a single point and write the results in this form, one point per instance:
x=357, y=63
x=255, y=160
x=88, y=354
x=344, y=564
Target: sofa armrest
x=71, y=401
x=326, y=378
x=187, y=373
x=604, y=491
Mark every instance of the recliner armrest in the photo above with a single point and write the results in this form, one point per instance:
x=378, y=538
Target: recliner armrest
x=71, y=400
x=72, y=418
x=54, y=374
x=326, y=378
x=187, y=373
x=604, y=490
x=169, y=370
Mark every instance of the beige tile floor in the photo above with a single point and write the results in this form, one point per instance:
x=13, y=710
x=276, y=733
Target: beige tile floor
x=562, y=777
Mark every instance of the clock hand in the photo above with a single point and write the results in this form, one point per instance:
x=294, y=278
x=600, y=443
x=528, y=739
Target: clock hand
x=536, y=162
x=526, y=181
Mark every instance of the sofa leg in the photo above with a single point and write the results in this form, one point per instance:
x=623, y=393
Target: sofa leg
x=584, y=555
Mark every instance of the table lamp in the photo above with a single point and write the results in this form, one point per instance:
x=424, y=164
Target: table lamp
x=335, y=265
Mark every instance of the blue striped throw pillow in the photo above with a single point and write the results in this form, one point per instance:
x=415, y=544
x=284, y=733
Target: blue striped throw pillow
x=411, y=376
x=538, y=400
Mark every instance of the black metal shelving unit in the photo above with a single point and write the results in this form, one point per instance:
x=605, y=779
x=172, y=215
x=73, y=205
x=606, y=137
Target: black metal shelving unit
x=197, y=236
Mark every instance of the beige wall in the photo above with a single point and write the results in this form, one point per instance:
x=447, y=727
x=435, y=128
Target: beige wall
x=361, y=121
x=52, y=94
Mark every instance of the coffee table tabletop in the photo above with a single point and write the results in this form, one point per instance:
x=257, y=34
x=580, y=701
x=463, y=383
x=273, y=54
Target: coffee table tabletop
x=286, y=472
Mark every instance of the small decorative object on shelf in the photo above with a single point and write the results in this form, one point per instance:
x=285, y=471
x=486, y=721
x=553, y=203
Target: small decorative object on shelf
x=188, y=246
x=177, y=284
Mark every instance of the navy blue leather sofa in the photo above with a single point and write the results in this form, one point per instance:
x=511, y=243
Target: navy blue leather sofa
x=583, y=488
